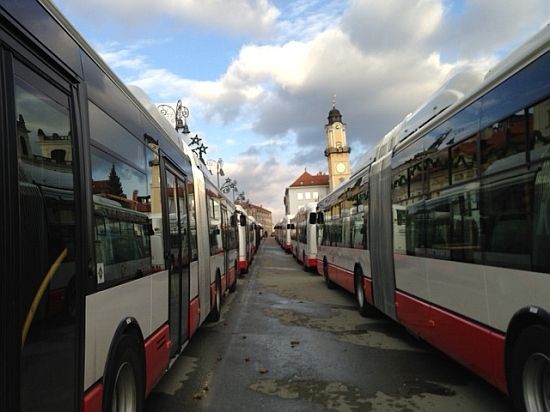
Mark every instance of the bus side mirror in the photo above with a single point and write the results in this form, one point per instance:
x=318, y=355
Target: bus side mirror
x=242, y=220
x=320, y=218
x=290, y=226
x=312, y=218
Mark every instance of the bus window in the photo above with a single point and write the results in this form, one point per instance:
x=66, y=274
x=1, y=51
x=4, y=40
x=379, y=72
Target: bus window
x=121, y=210
x=464, y=160
x=506, y=211
x=503, y=144
x=539, y=127
x=47, y=237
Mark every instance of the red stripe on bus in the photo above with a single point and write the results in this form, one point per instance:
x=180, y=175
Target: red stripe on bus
x=243, y=265
x=342, y=277
x=476, y=347
x=194, y=315
x=320, y=267
x=157, y=355
x=93, y=398
x=311, y=263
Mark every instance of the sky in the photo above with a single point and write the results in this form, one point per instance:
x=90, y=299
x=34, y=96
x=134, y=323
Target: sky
x=259, y=76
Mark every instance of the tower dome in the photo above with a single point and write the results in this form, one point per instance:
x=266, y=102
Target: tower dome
x=334, y=115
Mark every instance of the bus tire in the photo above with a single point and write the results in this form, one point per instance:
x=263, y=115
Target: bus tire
x=216, y=310
x=365, y=309
x=306, y=269
x=233, y=286
x=124, y=385
x=530, y=369
x=330, y=284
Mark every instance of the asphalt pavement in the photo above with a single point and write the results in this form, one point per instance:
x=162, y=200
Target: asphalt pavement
x=287, y=343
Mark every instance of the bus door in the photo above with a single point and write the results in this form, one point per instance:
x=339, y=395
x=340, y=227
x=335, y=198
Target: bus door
x=41, y=253
x=381, y=249
x=225, y=242
x=177, y=258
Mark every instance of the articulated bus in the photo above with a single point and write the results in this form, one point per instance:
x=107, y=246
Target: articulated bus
x=245, y=245
x=252, y=227
x=445, y=228
x=278, y=229
x=306, y=236
x=115, y=244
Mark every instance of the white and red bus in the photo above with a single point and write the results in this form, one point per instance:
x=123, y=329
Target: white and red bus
x=279, y=232
x=115, y=244
x=252, y=231
x=245, y=243
x=306, y=236
x=445, y=226
x=287, y=232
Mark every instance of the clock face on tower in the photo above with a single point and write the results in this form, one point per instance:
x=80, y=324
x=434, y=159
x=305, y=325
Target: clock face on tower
x=340, y=167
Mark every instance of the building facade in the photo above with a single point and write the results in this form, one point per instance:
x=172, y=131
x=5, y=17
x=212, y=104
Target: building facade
x=263, y=216
x=305, y=189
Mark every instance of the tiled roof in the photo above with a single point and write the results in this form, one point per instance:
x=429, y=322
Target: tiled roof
x=310, y=180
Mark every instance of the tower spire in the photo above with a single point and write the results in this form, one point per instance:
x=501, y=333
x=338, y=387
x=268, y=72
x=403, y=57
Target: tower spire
x=334, y=101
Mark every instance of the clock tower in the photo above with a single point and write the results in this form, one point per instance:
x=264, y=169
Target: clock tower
x=337, y=151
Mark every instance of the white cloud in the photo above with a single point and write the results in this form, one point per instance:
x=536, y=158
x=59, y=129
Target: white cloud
x=254, y=17
x=391, y=25
x=484, y=27
x=122, y=58
x=263, y=181
x=382, y=59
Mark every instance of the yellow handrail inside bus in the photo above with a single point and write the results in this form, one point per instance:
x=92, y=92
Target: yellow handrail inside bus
x=39, y=294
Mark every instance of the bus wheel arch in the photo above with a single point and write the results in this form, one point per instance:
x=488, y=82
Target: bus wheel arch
x=330, y=284
x=233, y=286
x=216, y=307
x=527, y=355
x=124, y=373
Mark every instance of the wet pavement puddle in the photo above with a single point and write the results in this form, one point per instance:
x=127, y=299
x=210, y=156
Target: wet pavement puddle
x=338, y=396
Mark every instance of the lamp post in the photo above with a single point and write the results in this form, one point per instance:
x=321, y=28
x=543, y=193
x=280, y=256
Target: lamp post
x=178, y=116
x=219, y=171
x=229, y=185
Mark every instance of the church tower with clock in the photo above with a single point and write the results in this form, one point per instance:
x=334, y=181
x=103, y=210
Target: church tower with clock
x=337, y=151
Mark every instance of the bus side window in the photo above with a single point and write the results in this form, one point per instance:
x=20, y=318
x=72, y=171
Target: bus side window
x=122, y=208
x=47, y=225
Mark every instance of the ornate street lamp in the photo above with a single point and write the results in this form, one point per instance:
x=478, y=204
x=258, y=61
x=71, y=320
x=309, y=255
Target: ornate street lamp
x=178, y=116
x=229, y=185
x=219, y=171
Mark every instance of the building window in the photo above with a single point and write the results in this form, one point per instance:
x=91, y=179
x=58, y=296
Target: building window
x=308, y=195
x=300, y=196
x=316, y=196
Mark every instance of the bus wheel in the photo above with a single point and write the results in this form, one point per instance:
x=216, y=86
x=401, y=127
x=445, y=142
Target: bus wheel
x=124, y=380
x=530, y=370
x=233, y=287
x=306, y=269
x=330, y=284
x=217, y=307
x=365, y=309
